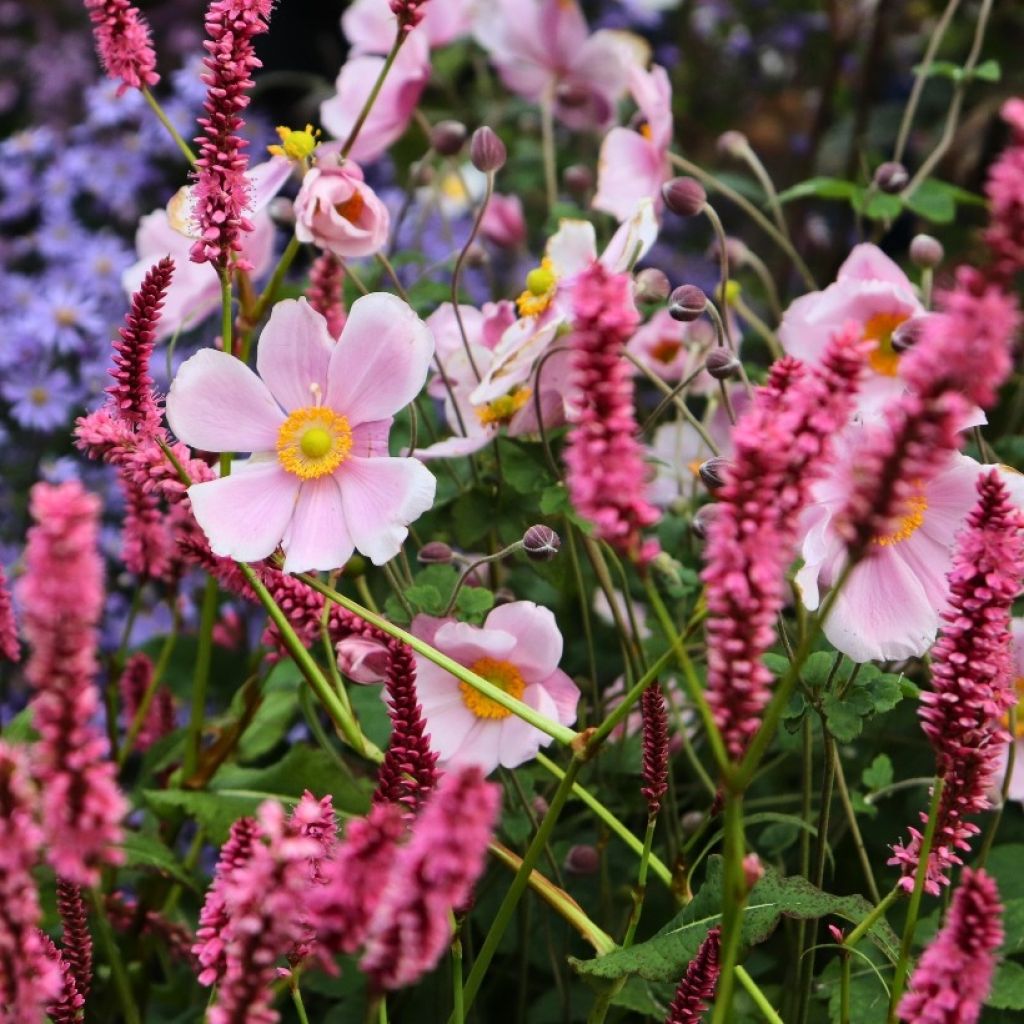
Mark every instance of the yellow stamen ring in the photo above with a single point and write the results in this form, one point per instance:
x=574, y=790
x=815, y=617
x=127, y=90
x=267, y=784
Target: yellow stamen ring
x=313, y=442
x=883, y=358
x=502, y=674
x=908, y=524
x=502, y=409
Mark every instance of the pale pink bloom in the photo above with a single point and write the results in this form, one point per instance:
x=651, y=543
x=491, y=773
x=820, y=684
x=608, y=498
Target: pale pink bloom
x=194, y=292
x=336, y=210
x=392, y=110
x=633, y=163
x=544, y=48
x=503, y=222
x=954, y=975
x=518, y=648
x=320, y=482
x=870, y=291
x=362, y=660
x=370, y=25
x=889, y=608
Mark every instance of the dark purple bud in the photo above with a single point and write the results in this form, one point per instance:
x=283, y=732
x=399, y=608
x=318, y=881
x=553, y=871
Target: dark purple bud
x=541, y=543
x=582, y=860
x=684, y=196
x=486, y=151
x=686, y=303
x=651, y=285
x=722, y=364
x=448, y=137
x=654, y=766
x=926, y=252
x=578, y=178
x=891, y=177
x=908, y=334
x=702, y=520
x=712, y=473
x=435, y=552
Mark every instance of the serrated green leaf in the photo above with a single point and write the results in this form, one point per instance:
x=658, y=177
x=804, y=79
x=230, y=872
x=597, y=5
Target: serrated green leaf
x=822, y=188
x=817, y=668
x=523, y=468
x=933, y=200
x=843, y=720
x=878, y=774
x=20, y=729
x=940, y=69
x=1007, y=987
x=474, y=601
x=883, y=693
x=882, y=206
x=425, y=598
x=144, y=851
x=555, y=500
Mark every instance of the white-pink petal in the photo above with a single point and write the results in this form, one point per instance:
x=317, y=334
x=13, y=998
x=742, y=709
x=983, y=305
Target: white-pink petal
x=293, y=354
x=216, y=403
x=538, y=647
x=467, y=644
x=317, y=537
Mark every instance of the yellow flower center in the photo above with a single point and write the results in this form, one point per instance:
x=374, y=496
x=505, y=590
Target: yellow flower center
x=883, y=358
x=541, y=283
x=502, y=409
x=502, y=674
x=645, y=131
x=908, y=524
x=295, y=144
x=313, y=442
x=38, y=396
x=453, y=187
x=66, y=316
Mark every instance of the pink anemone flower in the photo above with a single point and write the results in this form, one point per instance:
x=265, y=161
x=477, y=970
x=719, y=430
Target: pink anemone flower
x=543, y=48
x=518, y=648
x=391, y=111
x=889, y=608
x=633, y=164
x=320, y=482
x=869, y=290
x=370, y=25
x=194, y=292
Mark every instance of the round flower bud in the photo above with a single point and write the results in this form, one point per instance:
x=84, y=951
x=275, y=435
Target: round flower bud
x=753, y=870
x=582, y=860
x=702, y=520
x=684, y=196
x=712, y=473
x=732, y=143
x=691, y=821
x=541, y=543
x=722, y=364
x=486, y=151
x=578, y=178
x=651, y=285
x=891, y=177
x=908, y=334
x=926, y=252
x=448, y=137
x=435, y=552
x=355, y=566
x=686, y=303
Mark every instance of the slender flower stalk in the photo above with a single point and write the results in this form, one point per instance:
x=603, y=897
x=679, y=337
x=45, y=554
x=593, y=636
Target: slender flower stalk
x=606, y=471
x=222, y=191
x=62, y=597
x=972, y=681
x=123, y=43
x=655, y=742
x=697, y=987
x=76, y=940
x=29, y=979
x=326, y=278
x=9, y=646
x=954, y=974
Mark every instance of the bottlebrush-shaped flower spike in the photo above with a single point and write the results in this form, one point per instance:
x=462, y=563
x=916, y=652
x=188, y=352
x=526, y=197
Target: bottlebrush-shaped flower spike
x=62, y=597
x=123, y=43
x=326, y=277
x=954, y=974
x=314, y=819
x=1005, y=191
x=76, y=939
x=655, y=741
x=697, y=987
x=432, y=875
x=972, y=685
x=222, y=191
x=158, y=721
x=68, y=1006
x=9, y=647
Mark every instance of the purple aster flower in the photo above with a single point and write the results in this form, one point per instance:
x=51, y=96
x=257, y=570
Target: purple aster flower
x=41, y=400
x=60, y=235
x=17, y=196
x=63, y=314
x=102, y=261
x=19, y=348
x=106, y=107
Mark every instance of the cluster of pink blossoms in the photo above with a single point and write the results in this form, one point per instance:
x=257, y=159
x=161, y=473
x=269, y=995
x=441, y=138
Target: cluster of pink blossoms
x=123, y=43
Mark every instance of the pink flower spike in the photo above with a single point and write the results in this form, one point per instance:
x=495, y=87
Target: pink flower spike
x=325, y=291
x=432, y=875
x=317, y=418
x=62, y=597
x=222, y=191
x=134, y=683
x=315, y=819
x=697, y=986
x=606, y=472
x=1005, y=190
x=954, y=975
x=76, y=941
x=9, y=646
x=123, y=43
x=655, y=747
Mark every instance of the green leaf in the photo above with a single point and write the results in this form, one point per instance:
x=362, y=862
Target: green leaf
x=817, y=669
x=1007, y=987
x=882, y=206
x=472, y=517
x=822, y=187
x=20, y=729
x=878, y=774
x=425, y=598
x=644, y=998
x=986, y=71
x=1003, y=864
x=1013, y=927
x=274, y=715
x=555, y=500
x=523, y=467
x=883, y=692
x=937, y=200
x=843, y=719
x=145, y=851
x=474, y=601
x=989, y=71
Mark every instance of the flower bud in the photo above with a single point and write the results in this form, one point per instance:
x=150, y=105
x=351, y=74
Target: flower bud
x=476, y=256
x=486, y=151
x=753, y=870
x=891, y=177
x=651, y=285
x=732, y=143
x=702, y=520
x=691, y=821
x=541, y=543
x=686, y=303
x=355, y=566
x=582, y=860
x=435, y=552
x=712, y=472
x=722, y=364
x=908, y=334
x=448, y=137
x=926, y=252
x=578, y=179
x=684, y=196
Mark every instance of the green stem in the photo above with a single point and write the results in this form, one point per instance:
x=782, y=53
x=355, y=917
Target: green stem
x=204, y=652
x=858, y=838
x=547, y=131
x=550, y=728
x=641, y=884
x=226, y=319
x=166, y=122
x=300, y=1009
x=518, y=886
x=117, y=971
x=868, y=923
x=734, y=898
x=458, y=995
x=844, y=988
x=374, y=92
x=759, y=999
x=457, y=272
x=899, y=977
